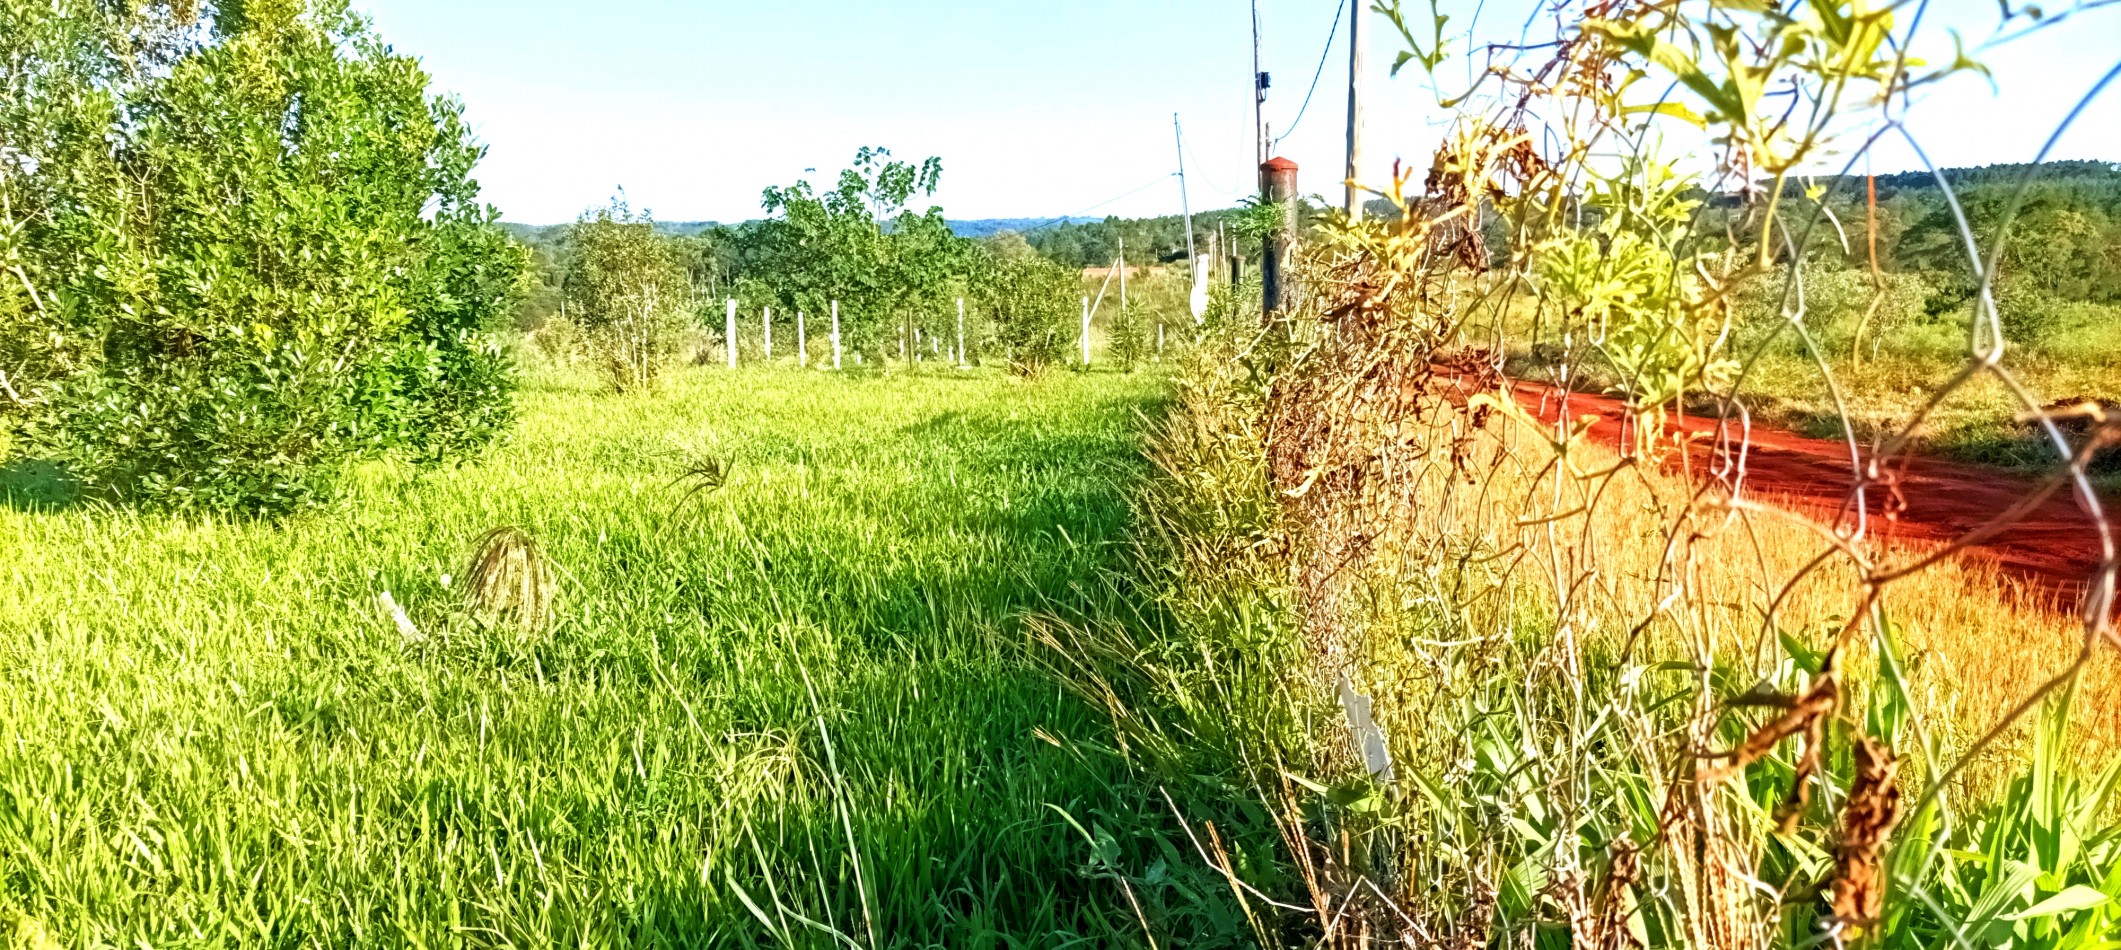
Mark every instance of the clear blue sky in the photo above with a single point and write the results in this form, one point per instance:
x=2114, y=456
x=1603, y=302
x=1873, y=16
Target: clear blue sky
x=1037, y=109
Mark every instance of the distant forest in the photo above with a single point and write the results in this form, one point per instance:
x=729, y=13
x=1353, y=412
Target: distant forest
x=2074, y=208
x=2065, y=237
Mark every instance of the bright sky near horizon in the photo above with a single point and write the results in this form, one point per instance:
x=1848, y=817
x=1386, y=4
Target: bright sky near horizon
x=1041, y=109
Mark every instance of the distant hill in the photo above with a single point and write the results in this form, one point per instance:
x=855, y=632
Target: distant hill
x=989, y=227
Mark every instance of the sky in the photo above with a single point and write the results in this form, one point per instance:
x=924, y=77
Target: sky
x=1039, y=110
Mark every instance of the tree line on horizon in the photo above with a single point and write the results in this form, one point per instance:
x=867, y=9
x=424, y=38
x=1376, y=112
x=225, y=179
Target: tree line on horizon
x=859, y=247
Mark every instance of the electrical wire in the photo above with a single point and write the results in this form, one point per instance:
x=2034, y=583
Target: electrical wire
x=1315, y=77
x=1214, y=185
x=1063, y=219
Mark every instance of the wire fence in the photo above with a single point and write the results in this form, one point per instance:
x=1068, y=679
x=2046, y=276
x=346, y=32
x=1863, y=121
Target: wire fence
x=1652, y=667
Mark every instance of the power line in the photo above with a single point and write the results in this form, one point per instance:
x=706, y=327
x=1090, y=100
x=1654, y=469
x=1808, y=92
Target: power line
x=1197, y=173
x=1323, y=55
x=1063, y=219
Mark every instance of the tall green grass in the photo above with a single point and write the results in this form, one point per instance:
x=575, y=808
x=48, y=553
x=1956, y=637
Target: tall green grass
x=800, y=708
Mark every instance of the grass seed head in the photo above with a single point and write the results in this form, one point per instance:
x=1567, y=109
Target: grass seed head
x=1872, y=811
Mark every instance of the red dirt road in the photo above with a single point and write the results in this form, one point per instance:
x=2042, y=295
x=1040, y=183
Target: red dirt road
x=1928, y=502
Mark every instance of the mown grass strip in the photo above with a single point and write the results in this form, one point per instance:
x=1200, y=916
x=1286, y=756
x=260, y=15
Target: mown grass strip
x=217, y=736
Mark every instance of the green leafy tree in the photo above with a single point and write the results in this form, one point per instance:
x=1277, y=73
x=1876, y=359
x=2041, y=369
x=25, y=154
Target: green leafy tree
x=1030, y=301
x=822, y=246
x=629, y=290
x=929, y=265
x=261, y=251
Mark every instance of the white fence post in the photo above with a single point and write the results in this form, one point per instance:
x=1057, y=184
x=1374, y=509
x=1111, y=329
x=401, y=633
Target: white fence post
x=835, y=334
x=1086, y=331
x=767, y=320
x=960, y=331
x=802, y=343
x=730, y=337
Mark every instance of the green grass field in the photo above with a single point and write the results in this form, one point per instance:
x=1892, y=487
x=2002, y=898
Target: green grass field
x=808, y=691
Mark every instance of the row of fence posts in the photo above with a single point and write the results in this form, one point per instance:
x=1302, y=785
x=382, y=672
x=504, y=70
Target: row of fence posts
x=802, y=338
x=802, y=334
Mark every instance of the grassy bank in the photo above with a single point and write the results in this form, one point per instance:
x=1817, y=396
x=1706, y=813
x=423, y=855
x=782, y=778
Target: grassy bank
x=798, y=705
x=1563, y=650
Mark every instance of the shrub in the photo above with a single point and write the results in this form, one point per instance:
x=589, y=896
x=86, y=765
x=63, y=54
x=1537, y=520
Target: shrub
x=292, y=272
x=1845, y=307
x=628, y=290
x=1129, y=337
x=1032, y=301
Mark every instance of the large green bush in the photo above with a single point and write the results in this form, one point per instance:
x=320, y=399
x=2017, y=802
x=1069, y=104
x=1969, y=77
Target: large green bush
x=275, y=263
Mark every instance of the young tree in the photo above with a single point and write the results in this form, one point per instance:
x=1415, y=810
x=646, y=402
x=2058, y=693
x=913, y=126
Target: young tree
x=928, y=266
x=259, y=245
x=833, y=245
x=1128, y=334
x=628, y=288
x=1032, y=303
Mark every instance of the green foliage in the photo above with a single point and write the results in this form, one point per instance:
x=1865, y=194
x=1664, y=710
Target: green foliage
x=1255, y=220
x=1033, y=305
x=1127, y=337
x=856, y=243
x=2038, y=866
x=1147, y=240
x=270, y=261
x=1625, y=285
x=628, y=290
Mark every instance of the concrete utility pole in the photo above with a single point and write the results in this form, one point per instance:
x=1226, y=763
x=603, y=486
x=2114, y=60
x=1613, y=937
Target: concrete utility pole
x=1086, y=331
x=1185, y=205
x=1123, y=266
x=1355, y=58
x=1277, y=186
x=1259, y=94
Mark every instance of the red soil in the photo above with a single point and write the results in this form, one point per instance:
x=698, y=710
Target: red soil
x=1910, y=499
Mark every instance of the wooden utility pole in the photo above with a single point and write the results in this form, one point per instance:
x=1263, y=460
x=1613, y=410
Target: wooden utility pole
x=1355, y=58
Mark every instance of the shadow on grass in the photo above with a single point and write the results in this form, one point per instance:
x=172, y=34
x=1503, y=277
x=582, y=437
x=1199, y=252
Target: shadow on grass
x=37, y=485
x=990, y=802
x=833, y=708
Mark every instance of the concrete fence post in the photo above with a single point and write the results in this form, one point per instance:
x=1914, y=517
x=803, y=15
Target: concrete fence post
x=1277, y=186
x=729, y=335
